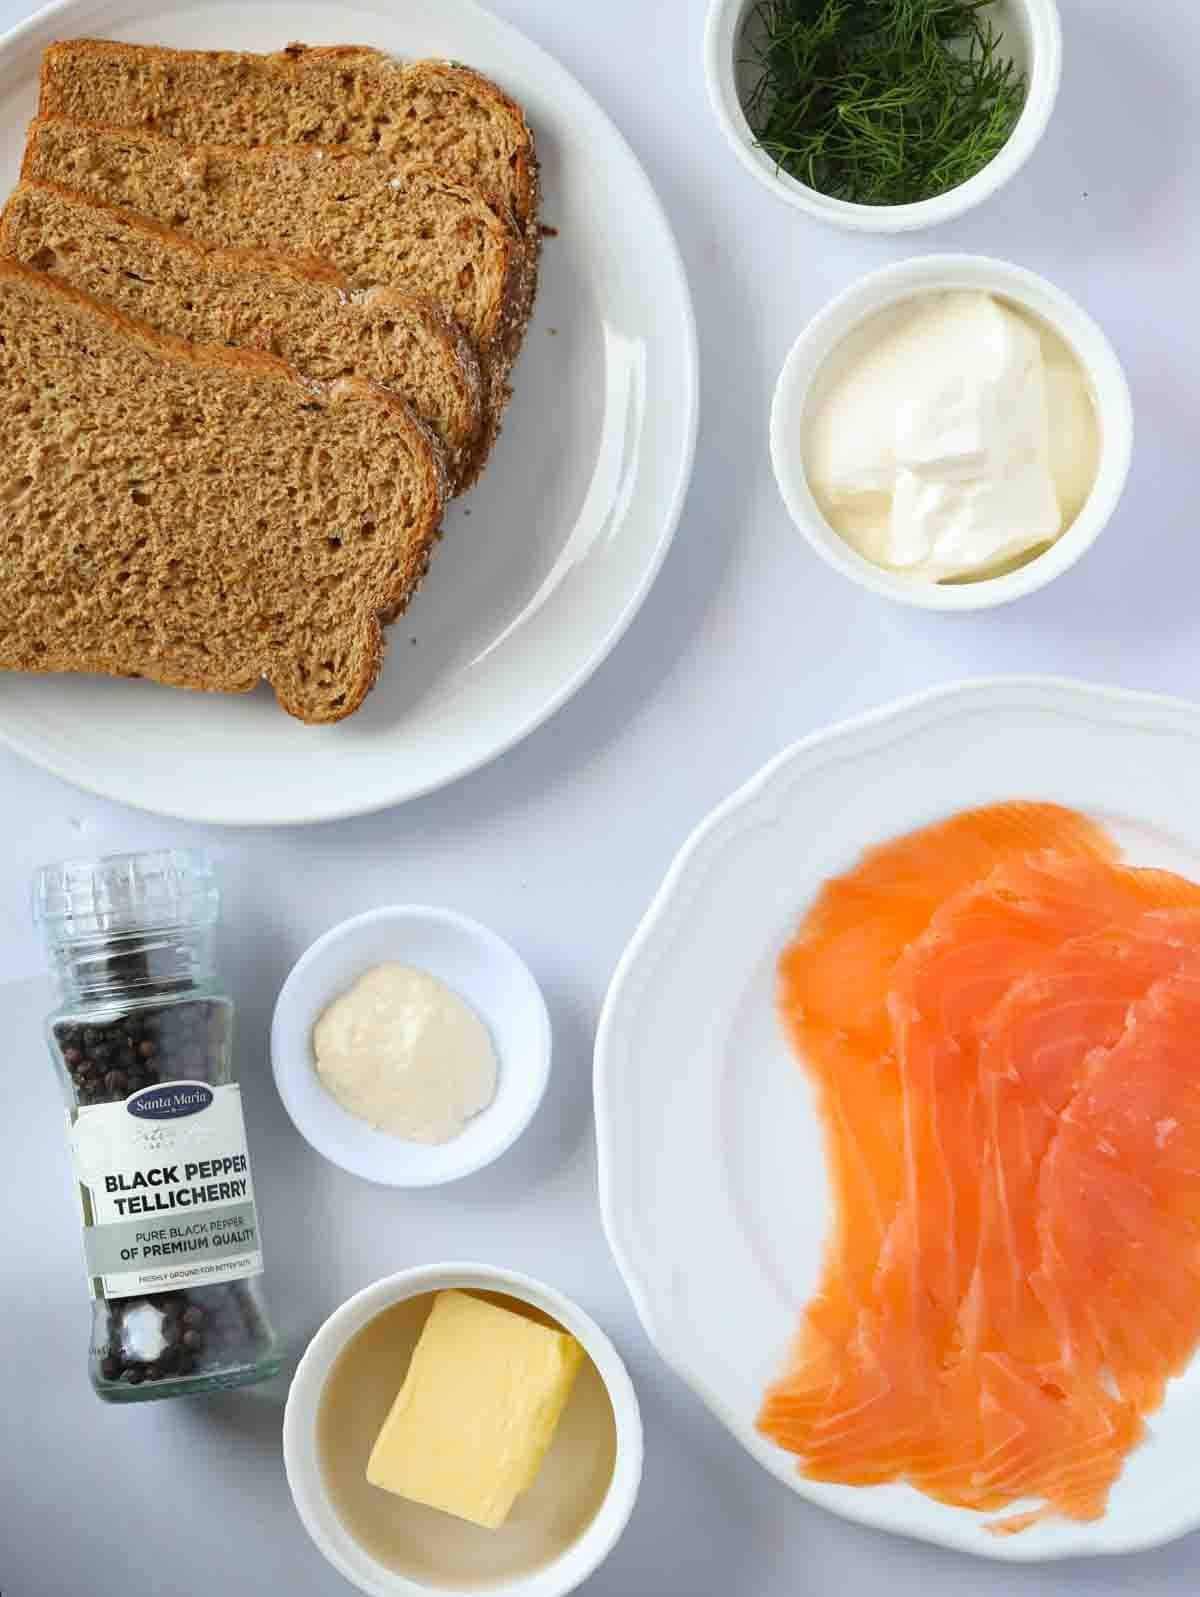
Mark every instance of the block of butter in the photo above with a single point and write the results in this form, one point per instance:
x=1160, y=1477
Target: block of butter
x=477, y=1411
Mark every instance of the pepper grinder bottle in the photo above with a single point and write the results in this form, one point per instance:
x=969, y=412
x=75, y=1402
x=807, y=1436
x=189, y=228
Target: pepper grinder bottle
x=143, y=1048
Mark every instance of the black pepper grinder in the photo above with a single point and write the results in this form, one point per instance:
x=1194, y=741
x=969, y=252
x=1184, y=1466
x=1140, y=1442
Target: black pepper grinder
x=143, y=1046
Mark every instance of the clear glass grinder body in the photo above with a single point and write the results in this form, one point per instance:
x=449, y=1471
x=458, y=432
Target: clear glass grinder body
x=143, y=1048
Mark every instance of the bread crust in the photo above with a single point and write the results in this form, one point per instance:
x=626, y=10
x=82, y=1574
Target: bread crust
x=525, y=185
x=445, y=108
x=462, y=365
x=514, y=190
x=498, y=343
x=390, y=598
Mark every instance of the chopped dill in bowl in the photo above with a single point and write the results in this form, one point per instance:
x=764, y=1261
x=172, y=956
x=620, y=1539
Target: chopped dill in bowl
x=880, y=102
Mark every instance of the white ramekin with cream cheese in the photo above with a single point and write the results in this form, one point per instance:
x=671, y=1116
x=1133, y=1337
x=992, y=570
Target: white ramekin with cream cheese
x=804, y=385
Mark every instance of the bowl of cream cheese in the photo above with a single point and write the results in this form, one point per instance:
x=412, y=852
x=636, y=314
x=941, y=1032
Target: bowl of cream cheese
x=953, y=432
x=410, y=1045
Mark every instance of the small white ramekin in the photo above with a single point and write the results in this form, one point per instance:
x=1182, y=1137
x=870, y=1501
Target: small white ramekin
x=1032, y=28
x=302, y=1462
x=473, y=962
x=889, y=287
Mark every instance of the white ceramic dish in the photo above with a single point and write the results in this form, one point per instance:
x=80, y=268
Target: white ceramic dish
x=1032, y=32
x=299, y=1431
x=480, y=968
x=892, y=285
x=711, y=1174
x=543, y=565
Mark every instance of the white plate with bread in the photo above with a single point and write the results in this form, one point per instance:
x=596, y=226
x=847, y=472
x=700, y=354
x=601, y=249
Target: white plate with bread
x=262, y=309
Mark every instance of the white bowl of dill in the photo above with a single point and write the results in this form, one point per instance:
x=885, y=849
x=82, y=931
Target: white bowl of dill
x=883, y=115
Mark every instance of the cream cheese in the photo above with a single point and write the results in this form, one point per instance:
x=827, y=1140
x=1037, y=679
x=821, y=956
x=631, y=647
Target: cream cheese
x=404, y=1053
x=955, y=437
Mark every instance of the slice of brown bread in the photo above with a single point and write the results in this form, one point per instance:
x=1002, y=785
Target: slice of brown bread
x=196, y=514
x=411, y=228
x=213, y=295
x=436, y=112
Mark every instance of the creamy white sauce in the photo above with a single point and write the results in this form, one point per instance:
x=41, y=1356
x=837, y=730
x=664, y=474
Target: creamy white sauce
x=952, y=437
x=404, y=1053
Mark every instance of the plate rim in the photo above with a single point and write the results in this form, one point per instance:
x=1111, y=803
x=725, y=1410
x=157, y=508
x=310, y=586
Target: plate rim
x=622, y=619
x=1068, y=695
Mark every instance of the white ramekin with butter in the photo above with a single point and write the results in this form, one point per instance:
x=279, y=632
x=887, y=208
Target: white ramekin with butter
x=577, y=1495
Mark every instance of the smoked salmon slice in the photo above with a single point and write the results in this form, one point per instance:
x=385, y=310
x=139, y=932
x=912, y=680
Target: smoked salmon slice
x=1040, y=1046
x=833, y=999
x=878, y=1422
x=1046, y=1423
x=969, y=1073
x=1119, y=1201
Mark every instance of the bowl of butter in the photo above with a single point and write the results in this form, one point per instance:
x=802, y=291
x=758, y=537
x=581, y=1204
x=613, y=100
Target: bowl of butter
x=459, y=1427
x=953, y=432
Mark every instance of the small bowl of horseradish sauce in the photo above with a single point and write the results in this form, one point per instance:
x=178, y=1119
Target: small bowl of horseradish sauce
x=410, y=1046
x=952, y=432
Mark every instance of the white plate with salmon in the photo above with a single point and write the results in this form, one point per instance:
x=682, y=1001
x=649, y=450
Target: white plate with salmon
x=898, y=1105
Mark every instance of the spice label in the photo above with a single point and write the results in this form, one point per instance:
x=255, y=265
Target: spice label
x=165, y=1185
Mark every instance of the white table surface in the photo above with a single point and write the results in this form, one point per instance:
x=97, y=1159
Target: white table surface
x=746, y=643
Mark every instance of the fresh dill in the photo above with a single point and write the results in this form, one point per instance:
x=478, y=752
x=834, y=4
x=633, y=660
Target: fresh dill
x=881, y=102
